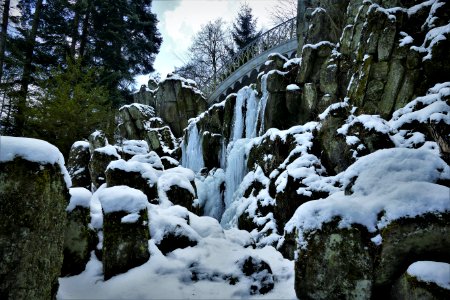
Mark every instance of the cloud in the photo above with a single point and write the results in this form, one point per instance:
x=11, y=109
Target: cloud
x=181, y=19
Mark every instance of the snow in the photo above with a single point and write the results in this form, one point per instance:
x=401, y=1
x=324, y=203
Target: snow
x=152, y=159
x=432, y=107
x=82, y=144
x=292, y=62
x=332, y=107
x=80, y=197
x=178, y=176
x=130, y=218
x=431, y=272
x=122, y=198
x=33, y=150
x=146, y=110
x=203, y=271
x=406, y=39
x=369, y=122
x=135, y=147
x=292, y=87
x=145, y=169
x=108, y=150
x=398, y=182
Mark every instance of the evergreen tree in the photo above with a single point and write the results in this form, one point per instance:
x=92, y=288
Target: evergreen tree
x=71, y=106
x=244, y=27
x=118, y=38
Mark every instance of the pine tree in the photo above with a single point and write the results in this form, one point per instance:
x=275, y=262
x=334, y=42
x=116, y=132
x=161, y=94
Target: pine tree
x=71, y=106
x=244, y=27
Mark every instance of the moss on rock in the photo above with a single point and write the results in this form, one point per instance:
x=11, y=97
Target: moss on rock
x=33, y=198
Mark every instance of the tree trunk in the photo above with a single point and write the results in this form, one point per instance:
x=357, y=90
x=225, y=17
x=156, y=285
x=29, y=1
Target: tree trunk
x=76, y=22
x=85, y=30
x=26, y=75
x=3, y=35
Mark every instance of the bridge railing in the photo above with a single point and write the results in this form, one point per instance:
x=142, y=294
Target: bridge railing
x=269, y=39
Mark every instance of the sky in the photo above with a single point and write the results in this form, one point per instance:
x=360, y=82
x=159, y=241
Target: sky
x=179, y=20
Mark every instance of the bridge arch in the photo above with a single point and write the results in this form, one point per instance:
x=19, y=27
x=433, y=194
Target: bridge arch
x=244, y=67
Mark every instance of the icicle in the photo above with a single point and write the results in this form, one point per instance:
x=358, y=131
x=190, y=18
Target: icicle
x=236, y=169
x=192, y=154
x=251, y=115
x=210, y=193
x=262, y=104
x=238, y=119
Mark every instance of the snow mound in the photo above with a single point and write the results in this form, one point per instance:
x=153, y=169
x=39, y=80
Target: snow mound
x=82, y=144
x=34, y=150
x=134, y=147
x=396, y=182
x=146, y=170
x=108, y=150
x=151, y=158
x=79, y=196
x=122, y=198
x=431, y=271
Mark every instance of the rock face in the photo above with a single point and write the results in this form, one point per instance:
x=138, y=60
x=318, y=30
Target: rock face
x=100, y=159
x=125, y=229
x=78, y=164
x=33, y=199
x=133, y=174
x=178, y=100
x=139, y=123
x=413, y=286
x=79, y=238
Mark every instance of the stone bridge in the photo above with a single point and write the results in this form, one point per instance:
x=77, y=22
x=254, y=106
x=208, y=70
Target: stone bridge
x=244, y=67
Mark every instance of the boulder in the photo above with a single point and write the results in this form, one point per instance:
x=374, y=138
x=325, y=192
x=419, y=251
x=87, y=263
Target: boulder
x=136, y=119
x=337, y=264
x=423, y=280
x=178, y=100
x=177, y=186
x=146, y=95
x=259, y=272
x=33, y=198
x=125, y=229
x=130, y=148
x=79, y=239
x=78, y=164
x=169, y=162
x=100, y=160
x=138, y=175
x=97, y=139
x=178, y=238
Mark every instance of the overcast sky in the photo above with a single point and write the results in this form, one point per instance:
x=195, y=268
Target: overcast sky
x=179, y=20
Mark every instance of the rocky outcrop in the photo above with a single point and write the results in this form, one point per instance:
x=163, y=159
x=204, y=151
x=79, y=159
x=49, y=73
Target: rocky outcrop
x=139, y=123
x=178, y=100
x=125, y=229
x=134, y=174
x=79, y=238
x=97, y=139
x=423, y=280
x=33, y=199
x=78, y=164
x=100, y=160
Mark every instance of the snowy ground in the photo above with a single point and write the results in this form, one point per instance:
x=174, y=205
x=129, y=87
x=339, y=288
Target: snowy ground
x=200, y=272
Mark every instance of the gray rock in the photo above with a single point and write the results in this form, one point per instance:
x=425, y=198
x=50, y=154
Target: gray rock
x=97, y=139
x=337, y=264
x=78, y=165
x=100, y=159
x=177, y=101
x=33, y=199
x=79, y=241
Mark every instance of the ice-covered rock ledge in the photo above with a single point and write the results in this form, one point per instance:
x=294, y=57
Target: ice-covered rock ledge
x=392, y=211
